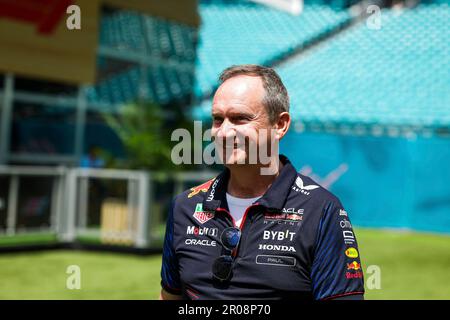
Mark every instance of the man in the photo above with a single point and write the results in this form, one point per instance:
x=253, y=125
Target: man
x=255, y=234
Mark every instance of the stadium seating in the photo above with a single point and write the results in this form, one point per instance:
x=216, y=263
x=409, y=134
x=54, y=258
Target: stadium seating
x=243, y=32
x=398, y=75
x=161, y=45
x=231, y=32
x=360, y=76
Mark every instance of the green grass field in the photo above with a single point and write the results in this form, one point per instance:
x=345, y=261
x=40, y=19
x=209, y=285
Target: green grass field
x=413, y=266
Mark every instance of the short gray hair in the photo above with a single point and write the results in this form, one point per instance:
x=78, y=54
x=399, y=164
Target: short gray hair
x=276, y=99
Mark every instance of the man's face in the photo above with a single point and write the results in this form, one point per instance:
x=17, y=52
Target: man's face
x=238, y=116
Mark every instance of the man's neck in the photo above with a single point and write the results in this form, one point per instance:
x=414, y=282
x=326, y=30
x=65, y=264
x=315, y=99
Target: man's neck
x=246, y=181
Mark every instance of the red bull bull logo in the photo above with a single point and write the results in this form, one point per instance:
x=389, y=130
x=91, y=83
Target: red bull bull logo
x=201, y=188
x=288, y=214
x=294, y=217
x=353, y=266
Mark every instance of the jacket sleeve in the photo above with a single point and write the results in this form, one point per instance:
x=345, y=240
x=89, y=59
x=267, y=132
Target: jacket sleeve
x=170, y=278
x=336, y=271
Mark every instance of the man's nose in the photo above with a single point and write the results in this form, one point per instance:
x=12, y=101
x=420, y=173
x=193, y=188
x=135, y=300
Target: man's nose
x=226, y=130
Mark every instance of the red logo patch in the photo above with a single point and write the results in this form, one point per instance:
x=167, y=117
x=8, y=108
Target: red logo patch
x=356, y=275
x=202, y=216
x=201, y=188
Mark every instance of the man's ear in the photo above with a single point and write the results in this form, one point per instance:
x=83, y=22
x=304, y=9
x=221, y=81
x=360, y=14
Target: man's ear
x=282, y=124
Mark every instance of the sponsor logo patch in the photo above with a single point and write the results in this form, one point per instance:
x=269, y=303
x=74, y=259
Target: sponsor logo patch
x=343, y=213
x=287, y=215
x=201, y=188
x=278, y=235
x=351, y=253
x=349, y=237
x=353, y=266
x=202, y=216
x=197, y=231
x=275, y=247
x=354, y=275
x=213, y=191
x=293, y=211
x=199, y=242
x=345, y=224
x=300, y=187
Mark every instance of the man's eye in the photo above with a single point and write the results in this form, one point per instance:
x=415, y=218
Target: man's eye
x=241, y=118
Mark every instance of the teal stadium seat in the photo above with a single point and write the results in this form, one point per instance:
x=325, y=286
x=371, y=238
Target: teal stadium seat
x=396, y=76
x=231, y=32
x=135, y=36
x=237, y=32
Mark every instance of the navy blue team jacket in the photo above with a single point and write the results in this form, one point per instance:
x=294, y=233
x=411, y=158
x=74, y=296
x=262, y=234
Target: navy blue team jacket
x=297, y=243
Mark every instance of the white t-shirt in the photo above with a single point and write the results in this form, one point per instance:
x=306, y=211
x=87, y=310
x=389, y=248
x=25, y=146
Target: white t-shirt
x=238, y=206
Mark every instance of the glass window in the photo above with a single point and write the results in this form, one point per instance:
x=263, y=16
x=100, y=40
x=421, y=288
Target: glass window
x=101, y=142
x=42, y=129
x=34, y=203
x=44, y=87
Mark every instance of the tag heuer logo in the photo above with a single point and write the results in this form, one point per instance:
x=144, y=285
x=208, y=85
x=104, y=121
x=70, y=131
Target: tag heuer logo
x=202, y=216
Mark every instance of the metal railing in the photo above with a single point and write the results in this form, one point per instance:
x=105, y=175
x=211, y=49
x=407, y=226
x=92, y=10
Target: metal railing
x=119, y=220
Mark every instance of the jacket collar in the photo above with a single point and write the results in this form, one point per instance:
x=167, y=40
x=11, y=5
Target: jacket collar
x=274, y=198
